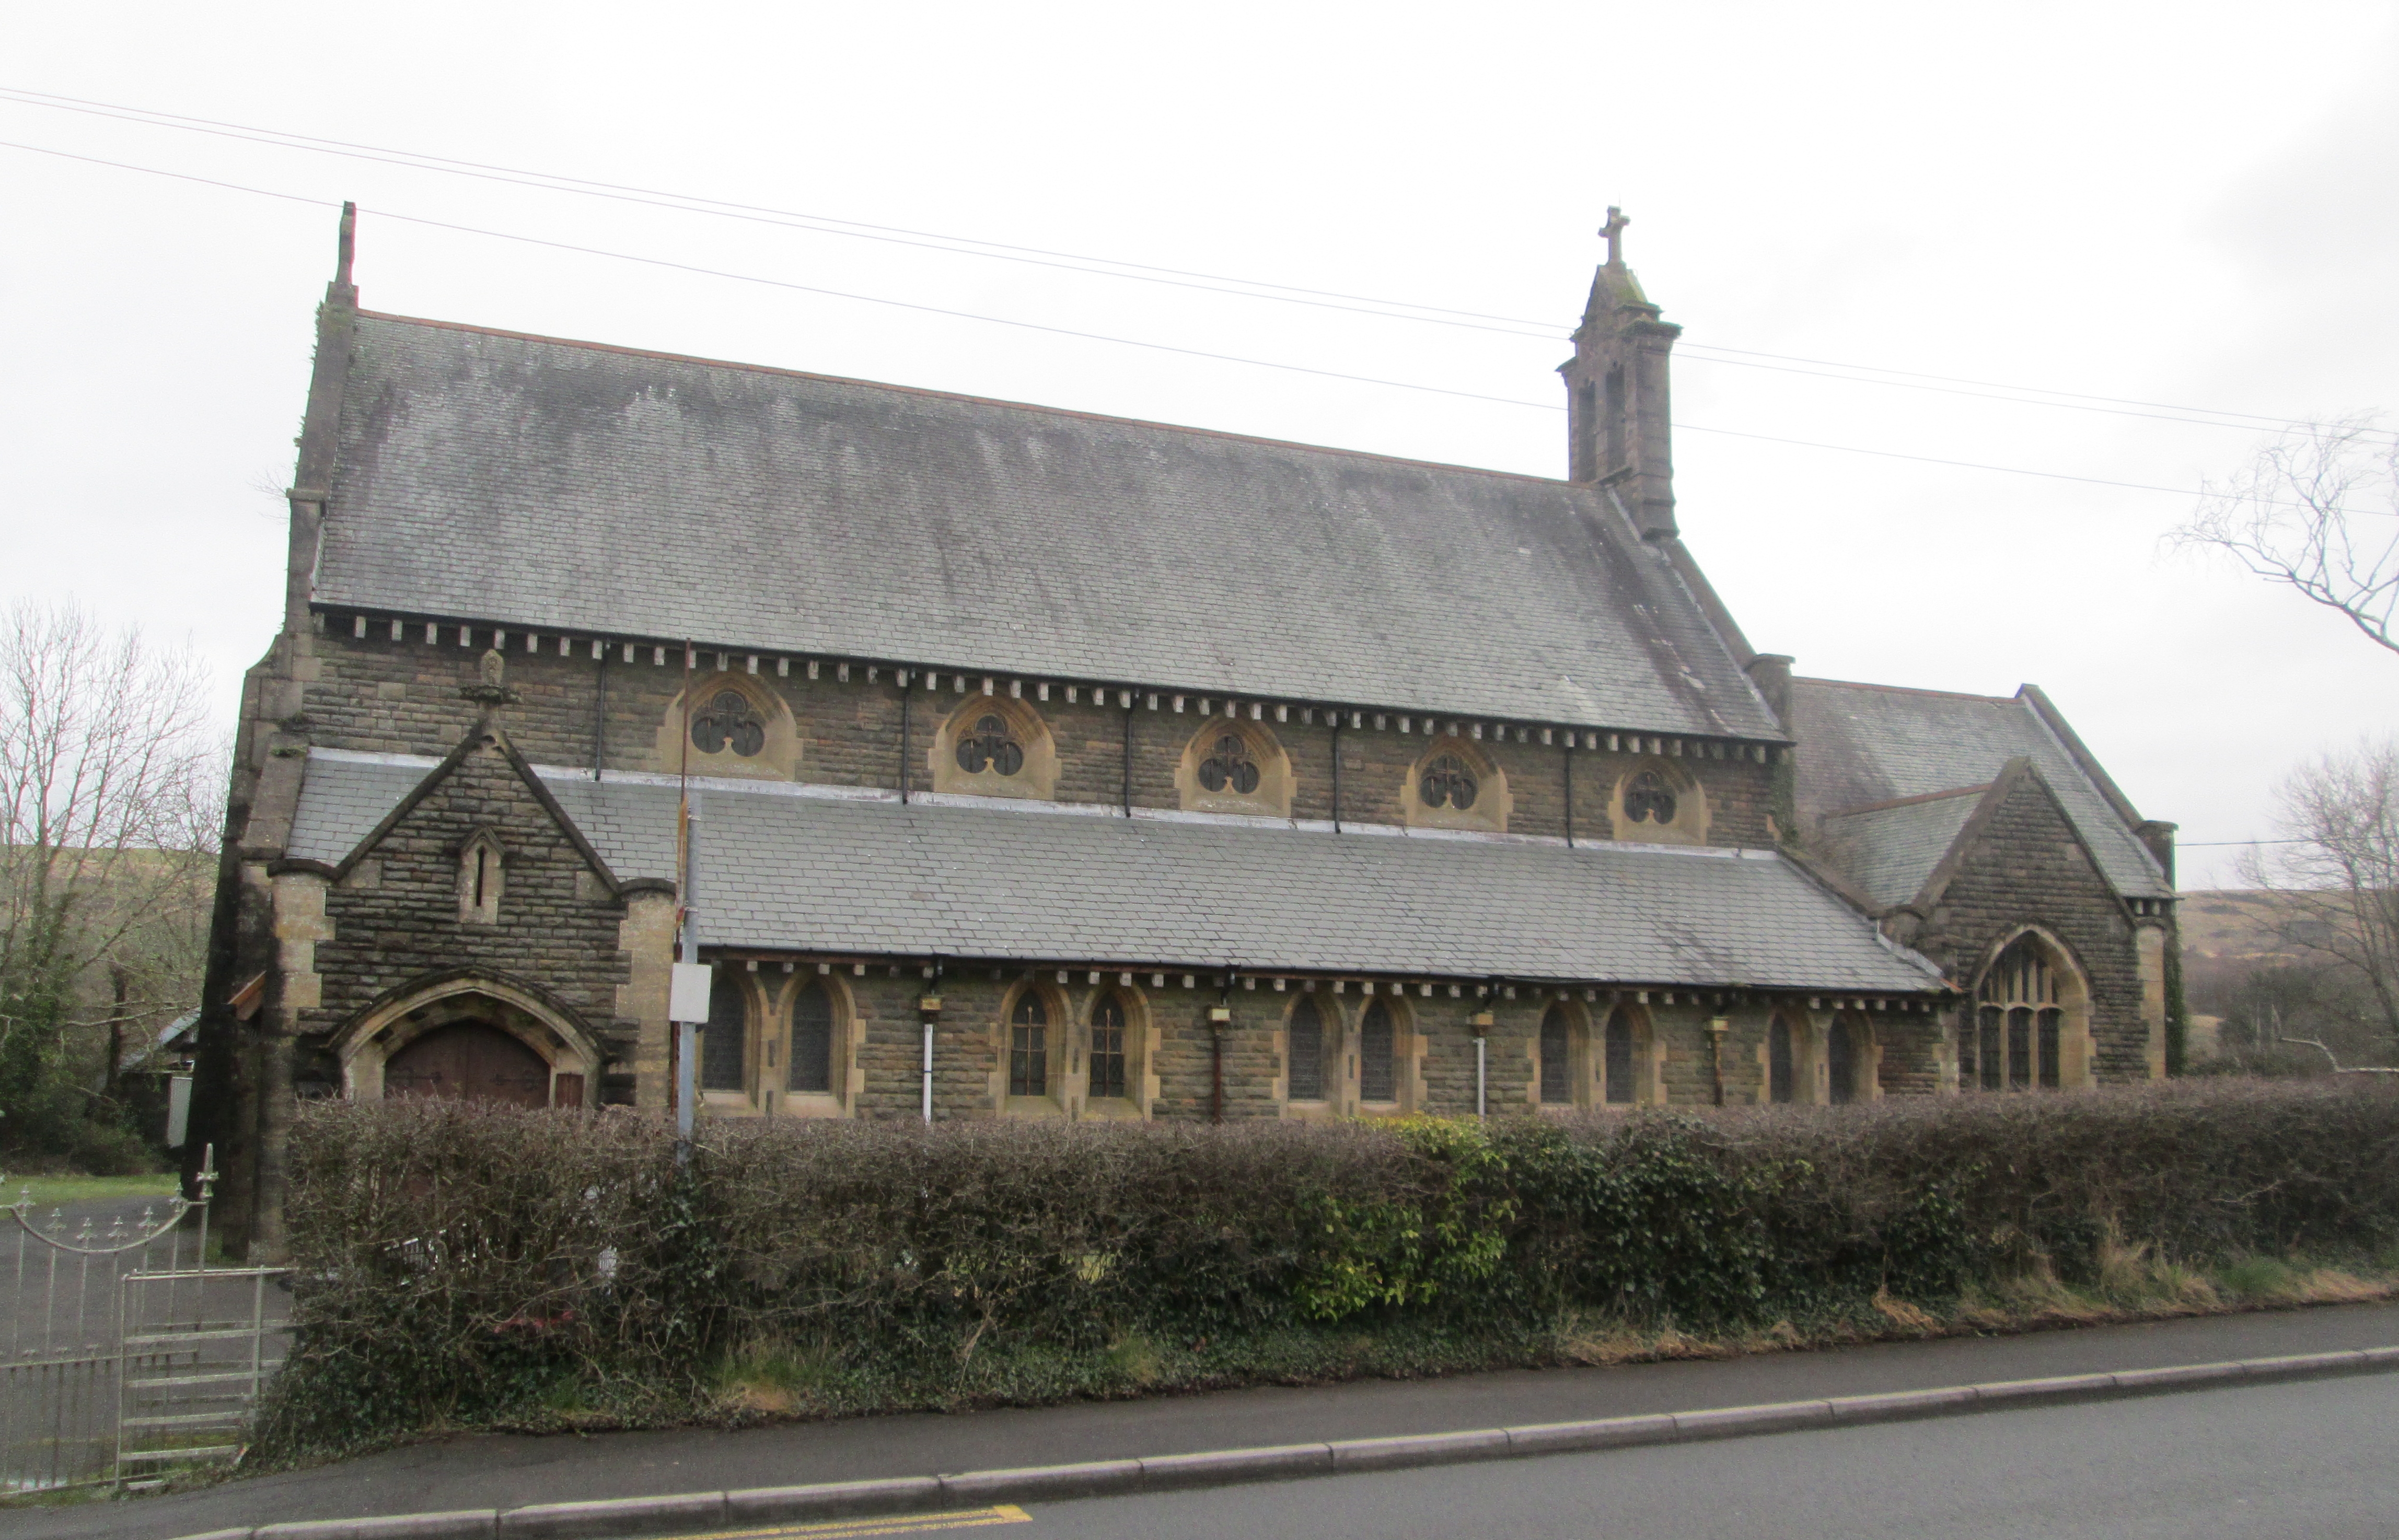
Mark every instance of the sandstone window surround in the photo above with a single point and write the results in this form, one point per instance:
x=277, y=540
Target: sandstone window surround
x=738, y=725
x=725, y=1056
x=2030, y=1029
x=993, y=745
x=1234, y=766
x=1310, y=1059
x=482, y=869
x=1384, y=1072
x=1819, y=1059
x=1454, y=785
x=1629, y=1067
x=1562, y=1079
x=1659, y=803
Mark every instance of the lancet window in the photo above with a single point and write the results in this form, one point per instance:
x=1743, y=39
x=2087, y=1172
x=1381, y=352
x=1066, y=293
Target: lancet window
x=811, y=1068
x=1305, y=1082
x=1377, y=1055
x=1028, y=1047
x=1619, y=1060
x=1107, y=1061
x=724, y=1044
x=1557, y=1059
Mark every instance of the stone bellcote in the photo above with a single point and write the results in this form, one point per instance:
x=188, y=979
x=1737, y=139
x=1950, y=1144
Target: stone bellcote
x=1617, y=396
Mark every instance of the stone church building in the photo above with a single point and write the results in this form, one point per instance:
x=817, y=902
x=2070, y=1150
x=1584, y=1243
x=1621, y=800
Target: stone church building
x=1046, y=765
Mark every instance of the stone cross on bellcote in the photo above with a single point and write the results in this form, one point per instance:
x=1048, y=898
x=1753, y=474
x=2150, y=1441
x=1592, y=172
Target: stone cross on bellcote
x=1614, y=231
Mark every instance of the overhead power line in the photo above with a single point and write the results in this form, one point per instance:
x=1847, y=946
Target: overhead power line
x=1255, y=288
x=1054, y=331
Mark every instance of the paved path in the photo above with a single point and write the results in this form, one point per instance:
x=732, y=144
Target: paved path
x=487, y=1471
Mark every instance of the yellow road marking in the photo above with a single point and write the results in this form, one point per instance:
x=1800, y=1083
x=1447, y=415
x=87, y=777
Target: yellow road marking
x=897, y=1523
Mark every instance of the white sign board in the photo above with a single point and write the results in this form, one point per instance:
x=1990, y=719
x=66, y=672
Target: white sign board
x=688, y=998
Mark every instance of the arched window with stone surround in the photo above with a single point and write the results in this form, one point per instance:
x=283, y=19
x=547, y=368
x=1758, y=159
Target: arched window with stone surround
x=1844, y=1060
x=1659, y=803
x=1624, y=1044
x=989, y=746
x=725, y=1044
x=1454, y=785
x=1107, y=1063
x=992, y=746
x=1232, y=765
x=1377, y=1055
x=1305, y=1076
x=812, y=1034
x=2018, y=1038
x=727, y=720
x=1781, y=1061
x=1560, y=1056
x=1028, y=1046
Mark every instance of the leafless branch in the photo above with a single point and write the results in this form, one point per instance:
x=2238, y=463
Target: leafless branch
x=2333, y=1061
x=2318, y=511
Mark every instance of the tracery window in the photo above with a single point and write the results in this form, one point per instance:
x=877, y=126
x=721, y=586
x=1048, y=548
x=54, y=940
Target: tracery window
x=1378, y=1067
x=1230, y=766
x=811, y=1040
x=1557, y=1059
x=728, y=721
x=2019, y=1020
x=1107, y=1078
x=724, y=1044
x=1650, y=799
x=1307, y=1045
x=990, y=747
x=1782, y=1066
x=1617, y=1056
x=1448, y=782
x=1028, y=1047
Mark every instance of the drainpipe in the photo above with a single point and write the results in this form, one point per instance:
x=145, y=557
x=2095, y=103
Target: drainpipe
x=686, y=1036
x=1337, y=772
x=1717, y=1027
x=1128, y=755
x=600, y=717
x=907, y=693
x=929, y=1008
x=1481, y=1022
x=1220, y=1021
x=1570, y=790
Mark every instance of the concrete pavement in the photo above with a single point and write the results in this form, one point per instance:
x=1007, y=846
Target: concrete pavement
x=507, y=1471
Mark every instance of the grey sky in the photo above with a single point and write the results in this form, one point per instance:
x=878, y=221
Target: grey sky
x=2185, y=203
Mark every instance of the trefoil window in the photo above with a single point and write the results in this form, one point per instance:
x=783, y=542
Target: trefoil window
x=728, y=721
x=1230, y=766
x=1446, y=782
x=989, y=747
x=1647, y=800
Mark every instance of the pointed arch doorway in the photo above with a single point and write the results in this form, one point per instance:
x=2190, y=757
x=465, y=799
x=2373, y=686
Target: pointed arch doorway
x=468, y=1061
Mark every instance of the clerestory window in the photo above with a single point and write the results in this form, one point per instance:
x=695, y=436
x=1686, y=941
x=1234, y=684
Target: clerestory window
x=1649, y=800
x=1447, y=782
x=1229, y=767
x=990, y=747
x=728, y=721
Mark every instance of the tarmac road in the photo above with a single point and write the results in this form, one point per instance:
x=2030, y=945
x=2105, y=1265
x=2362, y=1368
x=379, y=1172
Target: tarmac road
x=2309, y=1461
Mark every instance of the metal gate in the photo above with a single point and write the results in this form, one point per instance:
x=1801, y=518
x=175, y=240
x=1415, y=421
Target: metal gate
x=129, y=1355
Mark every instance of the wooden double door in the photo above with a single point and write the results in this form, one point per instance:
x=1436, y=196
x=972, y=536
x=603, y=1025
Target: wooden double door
x=474, y=1060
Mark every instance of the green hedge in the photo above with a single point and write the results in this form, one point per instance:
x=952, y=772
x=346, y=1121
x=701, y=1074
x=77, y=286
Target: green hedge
x=455, y=1264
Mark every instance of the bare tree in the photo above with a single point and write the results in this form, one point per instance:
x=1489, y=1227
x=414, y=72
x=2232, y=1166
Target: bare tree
x=106, y=835
x=2337, y=871
x=2317, y=510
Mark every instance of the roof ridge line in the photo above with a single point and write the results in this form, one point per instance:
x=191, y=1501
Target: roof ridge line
x=959, y=396
x=1903, y=689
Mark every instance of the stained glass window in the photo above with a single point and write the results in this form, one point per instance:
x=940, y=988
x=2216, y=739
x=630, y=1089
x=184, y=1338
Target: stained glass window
x=728, y=721
x=2021, y=1022
x=1108, y=1048
x=989, y=747
x=1557, y=1053
x=811, y=1041
x=1028, y=1047
x=1648, y=799
x=724, y=1046
x=1377, y=1079
x=1307, y=1082
x=1230, y=766
x=1446, y=782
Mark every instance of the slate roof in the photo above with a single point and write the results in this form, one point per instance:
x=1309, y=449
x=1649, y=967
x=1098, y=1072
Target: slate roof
x=801, y=872
x=1862, y=744
x=1889, y=851
x=558, y=486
